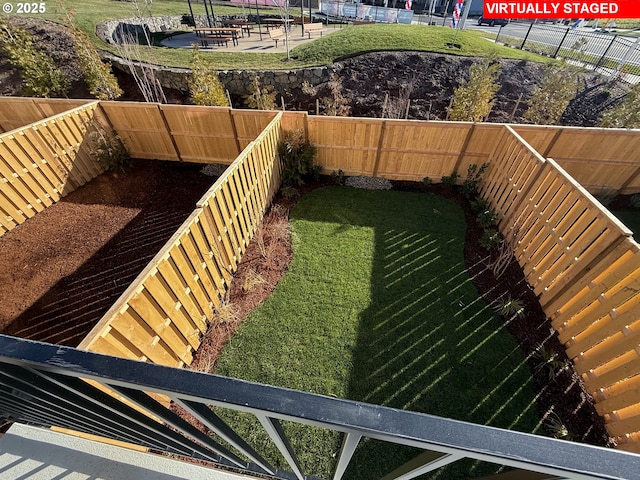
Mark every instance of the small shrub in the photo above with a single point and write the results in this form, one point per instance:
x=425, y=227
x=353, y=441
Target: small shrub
x=338, y=177
x=450, y=180
x=427, y=181
x=474, y=98
x=549, y=100
x=40, y=75
x=260, y=97
x=101, y=82
x=227, y=314
x=551, y=362
x=205, y=87
x=635, y=200
x=109, y=150
x=626, y=114
x=316, y=170
x=251, y=280
x=471, y=184
x=290, y=192
x=490, y=239
x=333, y=103
x=488, y=218
x=509, y=307
x=556, y=428
x=479, y=204
x=296, y=154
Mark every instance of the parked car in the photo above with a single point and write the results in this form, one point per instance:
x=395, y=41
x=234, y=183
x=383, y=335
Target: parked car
x=492, y=21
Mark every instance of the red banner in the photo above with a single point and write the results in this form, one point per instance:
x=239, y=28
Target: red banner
x=513, y=9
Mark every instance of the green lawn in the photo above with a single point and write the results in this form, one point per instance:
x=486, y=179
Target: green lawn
x=377, y=306
x=343, y=43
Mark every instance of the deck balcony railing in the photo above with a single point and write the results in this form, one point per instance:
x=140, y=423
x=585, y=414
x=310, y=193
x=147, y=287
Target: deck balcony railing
x=45, y=385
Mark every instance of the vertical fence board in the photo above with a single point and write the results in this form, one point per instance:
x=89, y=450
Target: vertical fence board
x=171, y=303
x=42, y=162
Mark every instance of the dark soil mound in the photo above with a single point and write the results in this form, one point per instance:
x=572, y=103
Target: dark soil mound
x=429, y=80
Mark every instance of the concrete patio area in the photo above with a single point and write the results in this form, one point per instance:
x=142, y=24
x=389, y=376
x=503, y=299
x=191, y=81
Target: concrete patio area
x=252, y=43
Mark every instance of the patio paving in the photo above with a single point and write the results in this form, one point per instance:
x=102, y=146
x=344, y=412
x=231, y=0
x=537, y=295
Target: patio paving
x=248, y=44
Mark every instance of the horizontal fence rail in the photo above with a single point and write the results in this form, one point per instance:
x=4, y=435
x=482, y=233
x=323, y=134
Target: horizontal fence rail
x=42, y=162
x=47, y=385
x=163, y=314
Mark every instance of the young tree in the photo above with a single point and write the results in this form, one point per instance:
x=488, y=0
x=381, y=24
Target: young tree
x=333, y=103
x=129, y=49
x=204, y=85
x=40, y=75
x=475, y=97
x=559, y=85
x=283, y=9
x=261, y=97
x=102, y=84
x=625, y=115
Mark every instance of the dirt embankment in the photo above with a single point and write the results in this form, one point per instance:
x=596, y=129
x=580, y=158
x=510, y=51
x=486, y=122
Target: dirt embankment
x=427, y=79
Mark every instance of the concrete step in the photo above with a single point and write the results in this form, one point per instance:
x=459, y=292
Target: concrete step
x=34, y=453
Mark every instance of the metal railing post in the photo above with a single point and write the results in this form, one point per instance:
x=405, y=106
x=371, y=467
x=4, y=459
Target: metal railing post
x=604, y=55
x=622, y=63
x=526, y=36
x=555, y=55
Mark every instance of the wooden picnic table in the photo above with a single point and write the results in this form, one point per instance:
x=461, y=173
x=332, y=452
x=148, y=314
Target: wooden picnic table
x=277, y=22
x=210, y=33
x=245, y=25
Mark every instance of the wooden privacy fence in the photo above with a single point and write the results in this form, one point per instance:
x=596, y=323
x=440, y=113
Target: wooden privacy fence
x=584, y=266
x=166, y=310
x=599, y=159
x=43, y=162
x=16, y=112
x=185, y=133
x=579, y=259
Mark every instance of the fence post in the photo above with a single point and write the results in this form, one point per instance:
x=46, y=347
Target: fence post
x=498, y=35
x=555, y=55
x=632, y=48
x=526, y=36
x=604, y=55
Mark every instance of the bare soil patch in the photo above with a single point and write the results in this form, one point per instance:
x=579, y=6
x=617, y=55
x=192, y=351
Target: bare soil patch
x=61, y=270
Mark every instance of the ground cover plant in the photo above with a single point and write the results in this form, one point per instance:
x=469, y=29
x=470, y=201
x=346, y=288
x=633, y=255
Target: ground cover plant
x=377, y=306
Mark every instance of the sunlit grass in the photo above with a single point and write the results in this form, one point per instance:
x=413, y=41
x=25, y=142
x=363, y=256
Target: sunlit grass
x=344, y=42
x=377, y=306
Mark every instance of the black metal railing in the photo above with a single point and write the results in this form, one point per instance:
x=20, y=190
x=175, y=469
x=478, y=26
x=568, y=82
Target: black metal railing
x=49, y=385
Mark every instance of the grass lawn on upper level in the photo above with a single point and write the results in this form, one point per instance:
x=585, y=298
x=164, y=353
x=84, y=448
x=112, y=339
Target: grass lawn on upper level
x=377, y=306
x=345, y=42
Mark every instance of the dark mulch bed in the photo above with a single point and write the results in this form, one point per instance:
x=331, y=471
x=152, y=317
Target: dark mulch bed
x=61, y=270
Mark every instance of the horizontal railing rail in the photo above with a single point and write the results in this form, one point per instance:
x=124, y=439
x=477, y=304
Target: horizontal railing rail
x=45, y=385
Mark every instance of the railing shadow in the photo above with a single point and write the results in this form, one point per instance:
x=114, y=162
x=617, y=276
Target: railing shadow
x=133, y=215
x=428, y=343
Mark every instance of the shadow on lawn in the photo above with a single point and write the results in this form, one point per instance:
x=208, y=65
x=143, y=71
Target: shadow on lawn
x=428, y=343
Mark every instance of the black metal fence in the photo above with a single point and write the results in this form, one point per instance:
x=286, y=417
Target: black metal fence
x=607, y=52
x=46, y=385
